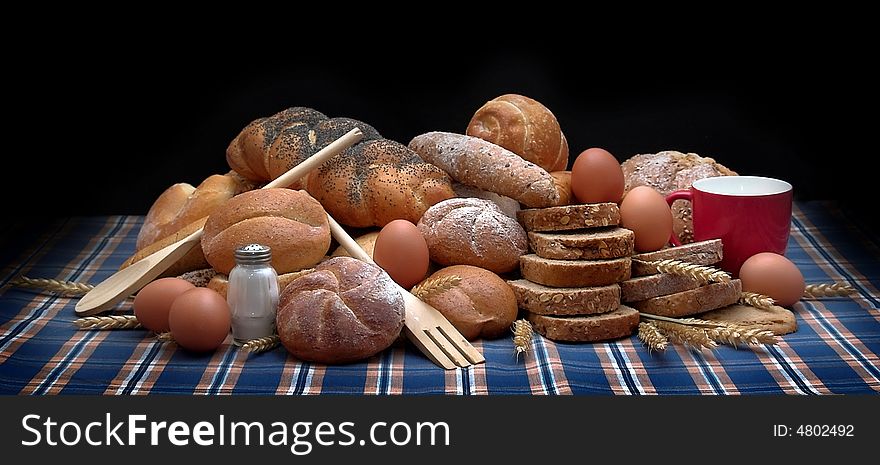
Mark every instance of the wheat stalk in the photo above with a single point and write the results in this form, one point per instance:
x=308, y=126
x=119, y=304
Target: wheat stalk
x=652, y=337
x=53, y=285
x=828, y=290
x=432, y=287
x=261, y=344
x=757, y=300
x=735, y=335
x=522, y=336
x=706, y=274
x=682, y=321
x=165, y=337
x=108, y=322
x=686, y=334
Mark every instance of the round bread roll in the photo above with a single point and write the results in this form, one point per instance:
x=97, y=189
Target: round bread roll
x=290, y=222
x=525, y=127
x=480, y=305
x=668, y=171
x=470, y=231
x=346, y=310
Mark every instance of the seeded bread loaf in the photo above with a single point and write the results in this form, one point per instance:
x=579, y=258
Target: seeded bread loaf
x=701, y=299
x=573, y=273
x=591, y=328
x=543, y=300
x=590, y=244
x=476, y=162
x=568, y=217
x=646, y=287
x=697, y=253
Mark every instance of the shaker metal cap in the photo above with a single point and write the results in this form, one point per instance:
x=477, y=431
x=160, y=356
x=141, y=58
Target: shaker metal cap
x=253, y=253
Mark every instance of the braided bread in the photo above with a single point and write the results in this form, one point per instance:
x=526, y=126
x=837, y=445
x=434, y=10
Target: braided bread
x=370, y=184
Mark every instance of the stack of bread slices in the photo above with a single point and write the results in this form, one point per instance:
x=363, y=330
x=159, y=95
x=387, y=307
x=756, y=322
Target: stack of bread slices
x=569, y=286
x=674, y=295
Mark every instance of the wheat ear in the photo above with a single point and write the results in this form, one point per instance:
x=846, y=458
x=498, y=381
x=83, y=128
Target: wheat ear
x=686, y=334
x=757, y=300
x=261, y=344
x=108, y=322
x=706, y=274
x=828, y=290
x=652, y=337
x=733, y=334
x=522, y=336
x=165, y=337
x=432, y=287
x=53, y=285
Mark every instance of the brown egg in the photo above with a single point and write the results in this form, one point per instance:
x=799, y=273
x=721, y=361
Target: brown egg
x=596, y=177
x=200, y=320
x=401, y=250
x=152, y=303
x=646, y=213
x=774, y=276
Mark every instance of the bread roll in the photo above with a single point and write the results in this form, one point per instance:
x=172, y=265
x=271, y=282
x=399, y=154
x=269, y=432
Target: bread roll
x=193, y=260
x=219, y=283
x=344, y=311
x=290, y=222
x=668, y=171
x=482, y=305
x=369, y=184
x=467, y=231
x=525, y=127
x=366, y=241
x=506, y=204
x=562, y=179
x=490, y=167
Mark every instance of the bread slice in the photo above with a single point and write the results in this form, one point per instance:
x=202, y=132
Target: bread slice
x=544, y=300
x=698, y=253
x=655, y=285
x=777, y=319
x=609, y=242
x=701, y=299
x=612, y=325
x=568, y=217
x=573, y=273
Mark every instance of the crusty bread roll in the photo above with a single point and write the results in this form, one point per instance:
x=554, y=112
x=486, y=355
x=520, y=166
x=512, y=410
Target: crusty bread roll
x=344, y=311
x=525, y=127
x=182, y=204
x=468, y=231
x=668, y=171
x=482, y=305
x=506, y=204
x=475, y=162
x=290, y=222
x=193, y=260
x=562, y=179
x=369, y=184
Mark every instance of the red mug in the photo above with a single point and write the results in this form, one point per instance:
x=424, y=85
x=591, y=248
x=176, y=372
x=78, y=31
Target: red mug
x=750, y=214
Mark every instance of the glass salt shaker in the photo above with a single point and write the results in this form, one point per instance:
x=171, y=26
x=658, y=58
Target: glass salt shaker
x=253, y=293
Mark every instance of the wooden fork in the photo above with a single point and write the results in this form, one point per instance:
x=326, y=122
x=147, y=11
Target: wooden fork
x=427, y=328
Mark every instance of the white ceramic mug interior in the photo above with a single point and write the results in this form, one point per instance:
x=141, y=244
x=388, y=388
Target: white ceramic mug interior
x=742, y=186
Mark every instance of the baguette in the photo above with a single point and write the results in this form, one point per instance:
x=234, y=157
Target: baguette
x=490, y=167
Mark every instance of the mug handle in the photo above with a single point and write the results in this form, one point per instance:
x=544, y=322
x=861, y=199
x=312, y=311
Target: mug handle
x=682, y=194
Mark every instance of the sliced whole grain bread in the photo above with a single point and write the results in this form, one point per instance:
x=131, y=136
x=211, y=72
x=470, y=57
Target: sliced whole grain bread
x=568, y=217
x=777, y=319
x=655, y=285
x=544, y=300
x=615, y=324
x=573, y=273
x=697, y=253
x=701, y=299
x=590, y=244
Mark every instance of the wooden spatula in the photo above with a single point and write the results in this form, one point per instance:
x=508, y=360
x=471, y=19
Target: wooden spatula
x=123, y=283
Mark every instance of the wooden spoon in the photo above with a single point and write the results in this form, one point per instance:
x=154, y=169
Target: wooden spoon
x=125, y=282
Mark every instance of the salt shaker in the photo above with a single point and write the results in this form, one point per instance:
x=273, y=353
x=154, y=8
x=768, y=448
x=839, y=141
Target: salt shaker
x=253, y=293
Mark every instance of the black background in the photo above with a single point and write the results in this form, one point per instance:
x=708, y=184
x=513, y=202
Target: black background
x=105, y=132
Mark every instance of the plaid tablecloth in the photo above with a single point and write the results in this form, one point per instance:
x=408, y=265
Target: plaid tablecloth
x=834, y=351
